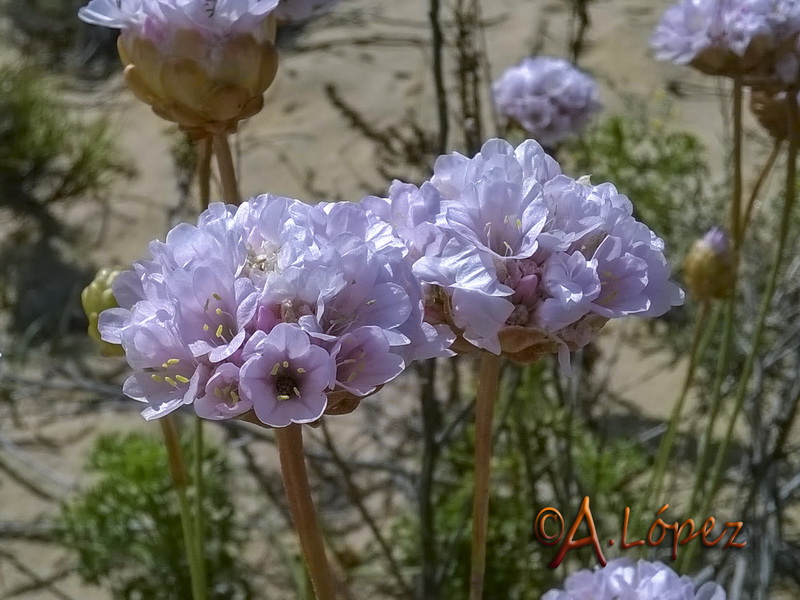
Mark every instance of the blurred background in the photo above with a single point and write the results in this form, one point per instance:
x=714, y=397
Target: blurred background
x=88, y=176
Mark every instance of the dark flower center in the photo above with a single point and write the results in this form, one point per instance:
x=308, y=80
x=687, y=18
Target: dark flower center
x=285, y=387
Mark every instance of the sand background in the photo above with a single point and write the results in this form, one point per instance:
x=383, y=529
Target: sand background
x=299, y=133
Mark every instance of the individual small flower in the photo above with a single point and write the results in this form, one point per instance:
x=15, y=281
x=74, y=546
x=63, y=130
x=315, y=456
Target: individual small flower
x=709, y=266
x=301, y=10
x=727, y=37
x=96, y=298
x=529, y=262
x=548, y=97
x=272, y=311
x=287, y=378
x=642, y=580
x=203, y=64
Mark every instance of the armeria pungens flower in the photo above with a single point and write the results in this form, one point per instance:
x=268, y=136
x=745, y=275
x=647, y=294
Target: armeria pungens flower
x=203, y=64
x=272, y=311
x=521, y=260
x=548, y=97
x=301, y=10
x=727, y=37
x=642, y=580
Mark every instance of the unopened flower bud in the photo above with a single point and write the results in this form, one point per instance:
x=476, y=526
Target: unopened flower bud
x=709, y=266
x=772, y=112
x=96, y=298
x=204, y=64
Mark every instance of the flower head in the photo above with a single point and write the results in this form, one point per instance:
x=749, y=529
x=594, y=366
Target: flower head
x=727, y=37
x=529, y=261
x=203, y=64
x=643, y=580
x=272, y=308
x=548, y=97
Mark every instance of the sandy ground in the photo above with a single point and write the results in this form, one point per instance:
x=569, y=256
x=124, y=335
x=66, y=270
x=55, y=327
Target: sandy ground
x=387, y=82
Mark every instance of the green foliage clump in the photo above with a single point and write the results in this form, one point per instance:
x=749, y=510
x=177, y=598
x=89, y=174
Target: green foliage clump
x=126, y=527
x=545, y=456
x=664, y=172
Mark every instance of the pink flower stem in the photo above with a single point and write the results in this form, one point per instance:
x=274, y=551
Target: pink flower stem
x=488, y=385
x=227, y=173
x=298, y=493
x=204, y=171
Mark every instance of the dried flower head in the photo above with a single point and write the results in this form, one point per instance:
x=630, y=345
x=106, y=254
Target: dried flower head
x=548, y=97
x=727, y=37
x=643, y=580
x=526, y=261
x=772, y=111
x=709, y=266
x=272, y=311
x=203, y=64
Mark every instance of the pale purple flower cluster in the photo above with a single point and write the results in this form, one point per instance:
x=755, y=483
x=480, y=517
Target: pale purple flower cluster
x=506, y=243
x=643, y=580
x=158, y=20
x=548, y=97
x=300, y=10
x=726, y=36
x=275, y=307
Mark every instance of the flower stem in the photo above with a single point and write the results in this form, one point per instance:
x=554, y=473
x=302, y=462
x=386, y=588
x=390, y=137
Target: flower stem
x=656, y=482
x=762, y=177
x=204, y=171
x=488, y=384
x=199, y=533
x=736, y=202
x=298, y=493
x=766, y=303
x=180, y=481
x=227, y=173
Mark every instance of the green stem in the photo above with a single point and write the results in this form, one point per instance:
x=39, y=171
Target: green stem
x=488, y=384
x=762, y=178
x=656, y=482
x=783, y=235
x=199, y=533
x=180, y=480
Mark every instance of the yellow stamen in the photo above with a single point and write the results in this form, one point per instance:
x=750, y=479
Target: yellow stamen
x=235, y=397
x=218, y=311
x=219, y=332
x=275, y=369
x=155, y=377
x=205, y=327
x=286, y=364
x=301, y=370
x=296, y=392
x=216, y=297
x=171, y=381
x=182, y=379
x=283, y=397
